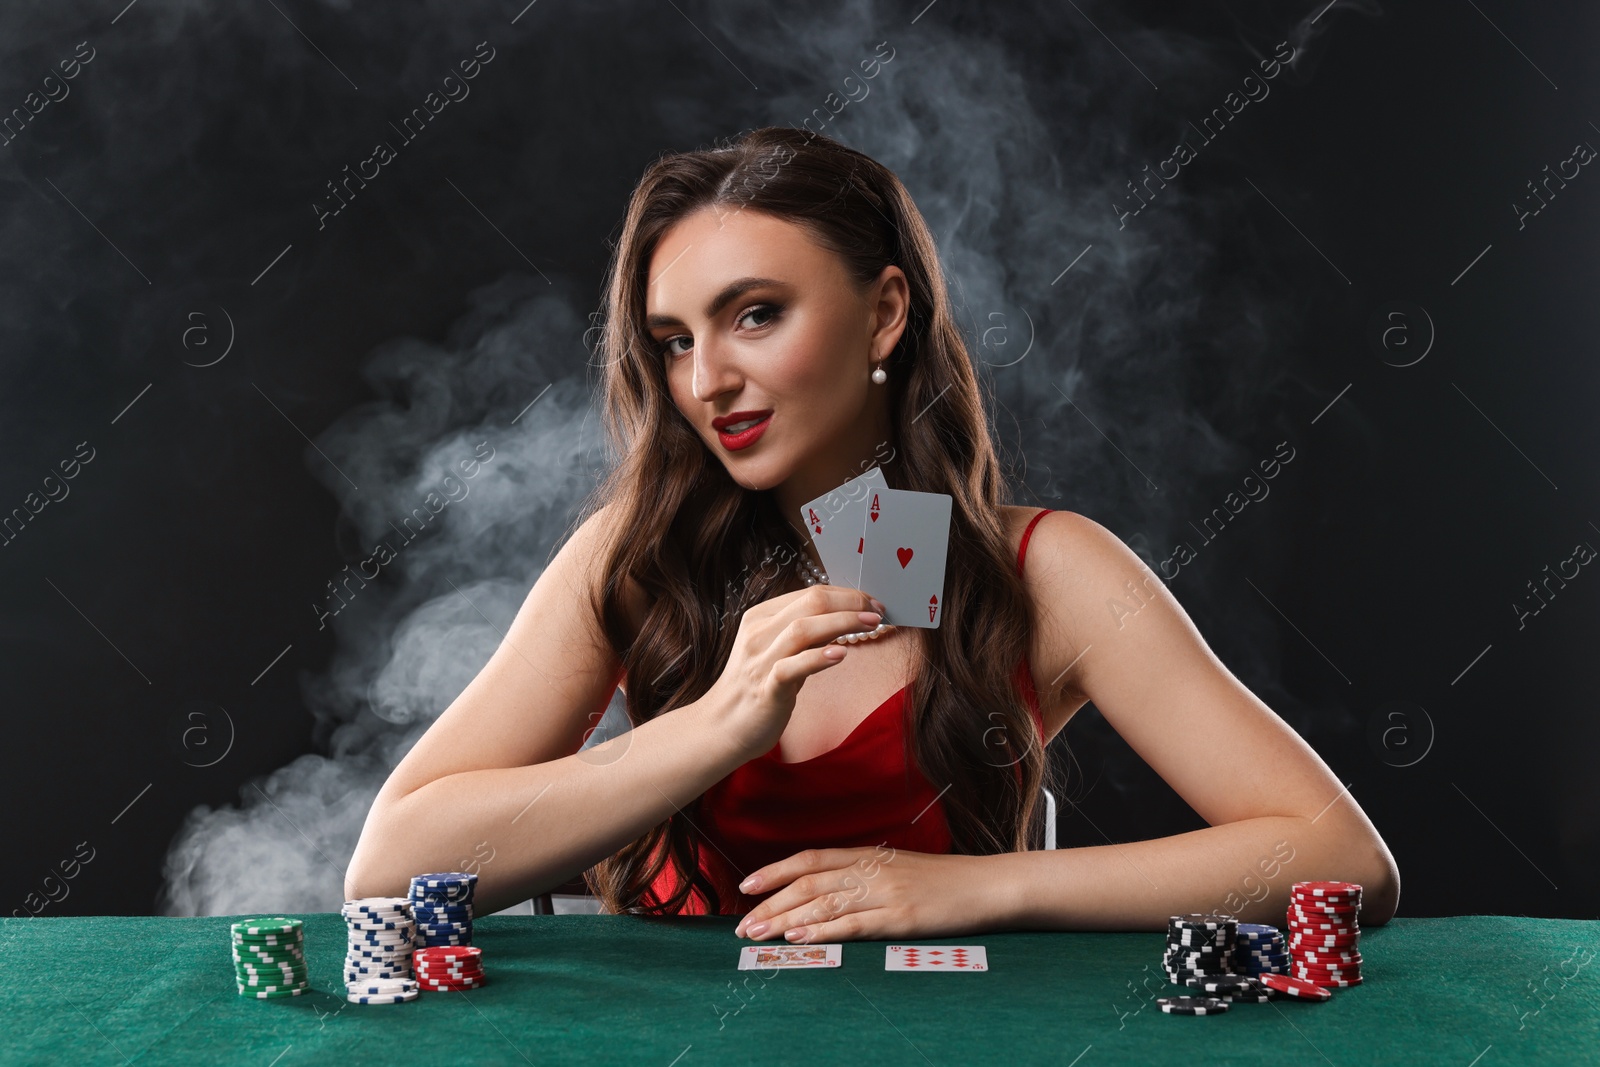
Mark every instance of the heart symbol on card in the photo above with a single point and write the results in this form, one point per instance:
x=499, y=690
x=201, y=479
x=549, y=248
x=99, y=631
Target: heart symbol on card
x=905, y=556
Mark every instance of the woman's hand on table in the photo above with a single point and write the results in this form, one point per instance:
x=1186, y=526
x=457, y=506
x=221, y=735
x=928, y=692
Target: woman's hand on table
x=868, y=894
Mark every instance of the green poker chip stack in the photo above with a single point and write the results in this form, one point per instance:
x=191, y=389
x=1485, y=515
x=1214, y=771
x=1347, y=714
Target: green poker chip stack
x=269, y=958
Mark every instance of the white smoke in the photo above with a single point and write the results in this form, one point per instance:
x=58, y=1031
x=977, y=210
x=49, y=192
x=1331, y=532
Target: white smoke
x=1015, y=158
x=410, y=641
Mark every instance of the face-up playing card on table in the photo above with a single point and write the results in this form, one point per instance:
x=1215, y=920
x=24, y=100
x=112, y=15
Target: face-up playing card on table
x=936, y=958
x=906, y=536
x=761, y=957
x=834, y=522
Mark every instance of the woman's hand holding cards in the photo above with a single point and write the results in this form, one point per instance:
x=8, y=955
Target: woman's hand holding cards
x=869, y=894
x=781, y=642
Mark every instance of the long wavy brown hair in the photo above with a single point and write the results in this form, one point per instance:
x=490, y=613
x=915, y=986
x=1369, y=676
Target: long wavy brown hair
x=703, y=547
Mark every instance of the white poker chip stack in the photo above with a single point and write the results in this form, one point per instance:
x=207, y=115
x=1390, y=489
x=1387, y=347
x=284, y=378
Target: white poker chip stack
x=377, y=967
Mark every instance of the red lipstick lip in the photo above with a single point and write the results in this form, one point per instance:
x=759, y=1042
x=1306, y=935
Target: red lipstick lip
x=722, y=422
x=733, y=442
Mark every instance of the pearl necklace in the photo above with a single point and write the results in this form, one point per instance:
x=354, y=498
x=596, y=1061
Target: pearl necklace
x=814, y=574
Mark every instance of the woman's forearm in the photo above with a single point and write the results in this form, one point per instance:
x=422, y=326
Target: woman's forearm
x=1244, y=869
x=523, y=830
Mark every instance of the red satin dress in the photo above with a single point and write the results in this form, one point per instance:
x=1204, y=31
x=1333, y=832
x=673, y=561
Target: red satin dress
x=862, y=793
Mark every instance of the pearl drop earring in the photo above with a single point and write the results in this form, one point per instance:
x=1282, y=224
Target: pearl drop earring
x=880, y=375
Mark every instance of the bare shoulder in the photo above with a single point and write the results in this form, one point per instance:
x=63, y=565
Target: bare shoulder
x=1083, y=581
x=1060, y=535
x=1093, y=590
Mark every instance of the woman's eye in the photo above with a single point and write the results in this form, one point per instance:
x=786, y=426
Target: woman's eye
x=771, y=310
x=769, y=314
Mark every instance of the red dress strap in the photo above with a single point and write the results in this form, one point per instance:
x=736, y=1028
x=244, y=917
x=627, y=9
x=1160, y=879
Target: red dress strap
x=1022, y=549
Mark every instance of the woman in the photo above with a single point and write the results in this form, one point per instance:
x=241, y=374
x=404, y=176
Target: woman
x=777, y=324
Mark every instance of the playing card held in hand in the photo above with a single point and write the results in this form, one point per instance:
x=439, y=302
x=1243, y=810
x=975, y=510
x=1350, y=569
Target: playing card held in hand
x=834, y=522
x=905, y=538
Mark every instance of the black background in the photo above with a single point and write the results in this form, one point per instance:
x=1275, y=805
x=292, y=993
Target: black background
x=1229, y=315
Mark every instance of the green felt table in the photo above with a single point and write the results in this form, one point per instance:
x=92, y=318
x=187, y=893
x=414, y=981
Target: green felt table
x=608, y=989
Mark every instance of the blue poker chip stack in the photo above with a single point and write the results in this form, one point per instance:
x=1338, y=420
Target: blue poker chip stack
x=1260, y=950
x=441, y=907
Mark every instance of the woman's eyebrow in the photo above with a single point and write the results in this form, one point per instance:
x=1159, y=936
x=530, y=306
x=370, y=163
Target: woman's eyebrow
x=728, y=292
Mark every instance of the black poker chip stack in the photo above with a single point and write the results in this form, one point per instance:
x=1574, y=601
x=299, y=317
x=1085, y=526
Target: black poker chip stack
x=1199, y=947
x=1202, y=953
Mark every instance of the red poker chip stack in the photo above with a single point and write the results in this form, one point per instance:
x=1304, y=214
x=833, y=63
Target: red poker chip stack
x=1324, y=935
x=441, y=968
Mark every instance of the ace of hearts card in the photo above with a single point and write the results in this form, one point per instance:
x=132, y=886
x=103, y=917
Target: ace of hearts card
x=905, y=537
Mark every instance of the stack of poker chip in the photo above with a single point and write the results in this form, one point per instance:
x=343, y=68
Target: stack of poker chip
x=269, y=958
x=441, y=905
x=1199, y=946
x=1324, y=936
x=377, y=965
x=1260, y=950
x=442, y=968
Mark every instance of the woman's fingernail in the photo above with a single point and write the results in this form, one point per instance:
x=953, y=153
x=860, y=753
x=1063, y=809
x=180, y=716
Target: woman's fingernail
x=869, y=618
x=757, y=930
x=877, y=605
x=795, y=934
x=750, y=884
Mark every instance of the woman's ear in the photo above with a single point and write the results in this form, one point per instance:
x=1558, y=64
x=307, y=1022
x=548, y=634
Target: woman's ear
x=890, y=301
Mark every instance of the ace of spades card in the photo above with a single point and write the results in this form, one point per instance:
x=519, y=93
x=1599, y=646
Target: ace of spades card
x=905, y=537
